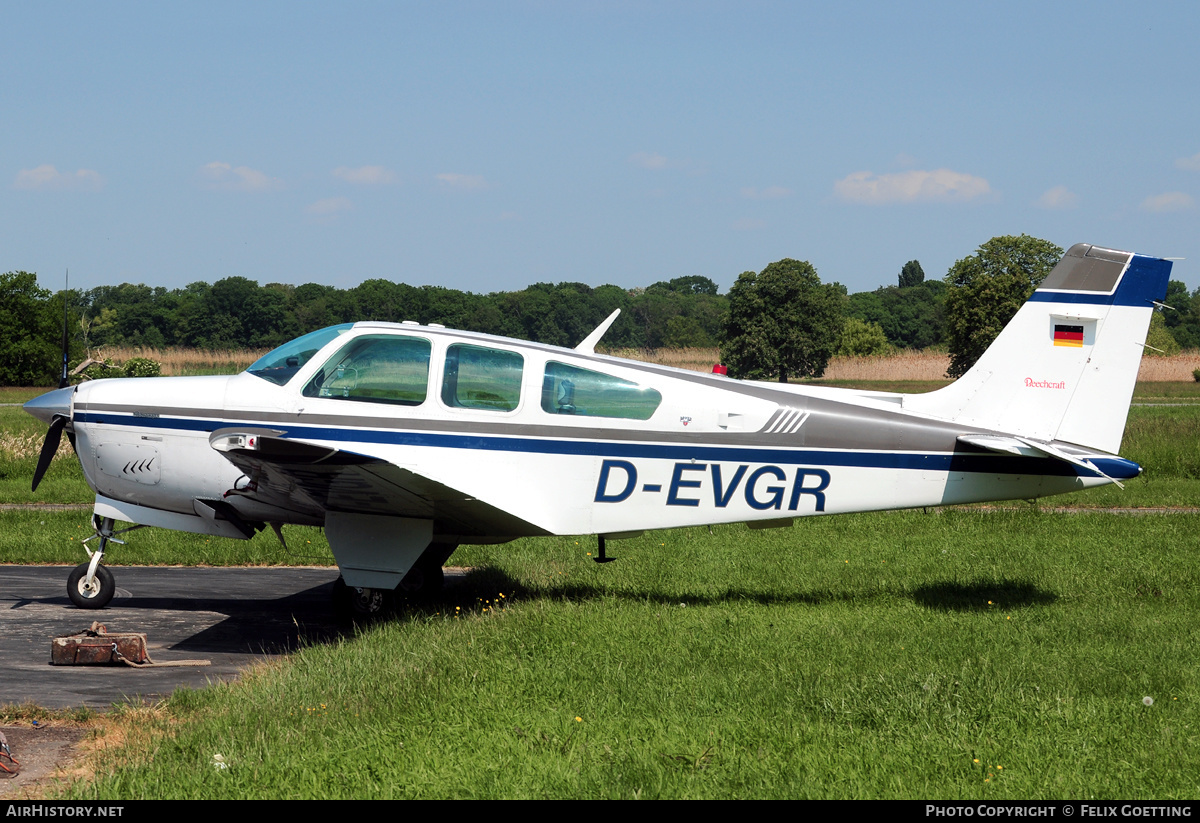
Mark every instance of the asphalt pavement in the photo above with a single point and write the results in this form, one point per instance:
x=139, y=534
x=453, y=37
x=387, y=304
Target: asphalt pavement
x=230, y=617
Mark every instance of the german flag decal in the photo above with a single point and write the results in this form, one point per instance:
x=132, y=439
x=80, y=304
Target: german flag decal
x=1068, y=336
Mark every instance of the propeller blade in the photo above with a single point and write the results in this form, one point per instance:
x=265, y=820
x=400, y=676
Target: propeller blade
x=49, y=447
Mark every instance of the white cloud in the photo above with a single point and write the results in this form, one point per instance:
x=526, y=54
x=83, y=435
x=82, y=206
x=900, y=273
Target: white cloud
x=48, y=178
x=1168, y=201
x=768, y=193
x=463, y=181
x=365, y=175
x=329, y=206
x=939, y=185
x=224, y=177
x=1190, y=163
x=1059, y=197
x=648, y=160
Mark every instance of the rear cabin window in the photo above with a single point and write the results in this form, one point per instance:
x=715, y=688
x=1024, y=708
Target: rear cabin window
x=572, y=390
x=376, y=368
x=477, y=377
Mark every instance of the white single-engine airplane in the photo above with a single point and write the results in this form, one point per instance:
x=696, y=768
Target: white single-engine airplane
x=405, y=440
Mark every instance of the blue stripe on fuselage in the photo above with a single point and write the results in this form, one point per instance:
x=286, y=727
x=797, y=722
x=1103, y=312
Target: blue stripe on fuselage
x=984, y=463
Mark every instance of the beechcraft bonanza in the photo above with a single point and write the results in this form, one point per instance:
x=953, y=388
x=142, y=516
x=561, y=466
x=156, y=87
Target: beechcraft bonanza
x=404, y=440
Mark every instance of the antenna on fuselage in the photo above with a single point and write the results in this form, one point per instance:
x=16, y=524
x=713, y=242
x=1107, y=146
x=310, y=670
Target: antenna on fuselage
x=588, y=346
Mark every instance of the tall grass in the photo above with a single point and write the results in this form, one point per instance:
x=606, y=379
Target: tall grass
x=186, y=361
x=1169, y=368
x=21, y=438
x=693, y=359
x=903, y=364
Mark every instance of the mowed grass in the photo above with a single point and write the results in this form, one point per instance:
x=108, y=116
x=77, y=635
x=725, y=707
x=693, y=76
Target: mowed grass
x=957, y=655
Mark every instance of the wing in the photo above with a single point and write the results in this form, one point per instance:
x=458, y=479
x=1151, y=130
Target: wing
x=312, y=479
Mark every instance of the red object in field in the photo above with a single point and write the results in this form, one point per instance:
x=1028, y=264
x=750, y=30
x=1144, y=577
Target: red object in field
x=719, y=369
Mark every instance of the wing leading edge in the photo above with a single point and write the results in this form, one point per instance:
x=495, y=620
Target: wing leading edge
x=297, y=475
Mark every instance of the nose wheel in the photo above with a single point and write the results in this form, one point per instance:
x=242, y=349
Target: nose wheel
x=90, y=585
x=91, y=591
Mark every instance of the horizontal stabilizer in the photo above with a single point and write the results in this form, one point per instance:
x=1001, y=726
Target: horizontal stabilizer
x=1023, y=447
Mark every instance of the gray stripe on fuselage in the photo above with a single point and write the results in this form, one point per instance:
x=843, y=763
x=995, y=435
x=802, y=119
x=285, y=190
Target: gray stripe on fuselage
x=829, y=425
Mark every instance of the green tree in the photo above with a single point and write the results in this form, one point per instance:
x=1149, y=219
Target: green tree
x=911, y=317
x=862, y=339
x=1181, y=319
x=31, y=321
x=985, y=290
x=685, y=332
x=692, y=284
x=783, y=322
x=1159, y=339
x=912, y=274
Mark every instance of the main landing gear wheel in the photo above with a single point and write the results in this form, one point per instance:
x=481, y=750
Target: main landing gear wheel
x=360, y=602
x=426, y=578
x=422, y=581
x=93, y=595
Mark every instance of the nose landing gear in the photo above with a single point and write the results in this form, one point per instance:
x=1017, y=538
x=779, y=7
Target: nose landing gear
x=90, y=585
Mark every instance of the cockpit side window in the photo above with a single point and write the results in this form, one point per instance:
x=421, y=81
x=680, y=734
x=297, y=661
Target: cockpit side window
x=572, y=390
x=376, y=368
x=477, y=377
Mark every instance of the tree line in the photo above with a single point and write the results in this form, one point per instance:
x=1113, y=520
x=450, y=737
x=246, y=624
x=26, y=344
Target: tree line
x=778, y=323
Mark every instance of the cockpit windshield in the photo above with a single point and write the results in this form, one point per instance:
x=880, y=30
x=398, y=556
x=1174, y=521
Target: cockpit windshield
x=281, y=364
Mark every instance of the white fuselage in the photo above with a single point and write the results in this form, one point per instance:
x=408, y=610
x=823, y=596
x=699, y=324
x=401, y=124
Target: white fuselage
x=713, y=451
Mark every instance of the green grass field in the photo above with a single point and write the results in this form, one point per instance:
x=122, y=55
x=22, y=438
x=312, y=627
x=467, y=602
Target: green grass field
x=957, y=654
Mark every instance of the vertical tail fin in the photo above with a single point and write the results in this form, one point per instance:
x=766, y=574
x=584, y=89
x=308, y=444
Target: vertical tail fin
x=1065, y=366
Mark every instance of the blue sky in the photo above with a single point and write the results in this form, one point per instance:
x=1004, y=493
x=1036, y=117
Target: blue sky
x=487, y=146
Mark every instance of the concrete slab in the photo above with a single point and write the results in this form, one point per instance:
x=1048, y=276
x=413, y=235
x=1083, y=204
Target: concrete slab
x=232, y=617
